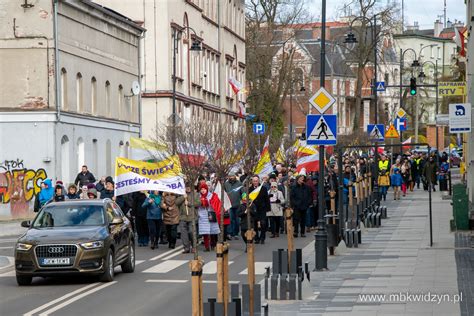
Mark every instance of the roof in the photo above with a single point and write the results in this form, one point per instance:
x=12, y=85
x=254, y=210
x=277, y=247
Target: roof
x=113, y=14
x=318, y=25
x=432, y=38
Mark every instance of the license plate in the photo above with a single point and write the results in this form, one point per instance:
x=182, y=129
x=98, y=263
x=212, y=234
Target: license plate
x=55, y=261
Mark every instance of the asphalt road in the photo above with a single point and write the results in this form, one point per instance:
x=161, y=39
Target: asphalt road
x=160, y=284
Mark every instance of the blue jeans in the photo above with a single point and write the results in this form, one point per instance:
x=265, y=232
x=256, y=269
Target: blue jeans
x=383, y=191
x=234, y=221
x=309, y=217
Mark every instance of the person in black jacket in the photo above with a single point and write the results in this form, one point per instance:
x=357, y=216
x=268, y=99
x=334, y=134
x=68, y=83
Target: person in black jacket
x=109, y=192
x=242, y=213
x=300, y=201
x=84, y=177
x=262, y=205
x=139, y=212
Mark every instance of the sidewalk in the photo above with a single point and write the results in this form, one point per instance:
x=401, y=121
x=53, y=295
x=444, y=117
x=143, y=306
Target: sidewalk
x=394, y=260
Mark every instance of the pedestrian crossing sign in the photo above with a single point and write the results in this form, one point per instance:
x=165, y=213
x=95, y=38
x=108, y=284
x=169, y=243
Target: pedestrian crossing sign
x=376, y=132
x=321, y=129
x=391, y=132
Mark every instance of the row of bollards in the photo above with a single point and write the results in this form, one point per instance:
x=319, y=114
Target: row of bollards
x=239, y=305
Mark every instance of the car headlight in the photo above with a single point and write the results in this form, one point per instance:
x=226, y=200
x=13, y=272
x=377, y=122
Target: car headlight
x=23, y=247
x=92, y=244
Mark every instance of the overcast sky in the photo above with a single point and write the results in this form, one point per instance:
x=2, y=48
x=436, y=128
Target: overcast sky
x=425, y=12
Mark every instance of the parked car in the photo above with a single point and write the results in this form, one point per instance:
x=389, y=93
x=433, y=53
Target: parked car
x=75, y=237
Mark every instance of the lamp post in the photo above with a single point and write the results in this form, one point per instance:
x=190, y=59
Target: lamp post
x=422, y=77
x=292, y=91
x=351, y=39
x=195, y=48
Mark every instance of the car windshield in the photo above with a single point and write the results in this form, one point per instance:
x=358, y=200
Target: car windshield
x=69, y=215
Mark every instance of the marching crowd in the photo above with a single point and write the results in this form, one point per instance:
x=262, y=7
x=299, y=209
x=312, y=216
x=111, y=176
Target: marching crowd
x=162, y=218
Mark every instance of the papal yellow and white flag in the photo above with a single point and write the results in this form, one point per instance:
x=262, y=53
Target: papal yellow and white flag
x=264, y=165
x=254, y=194
x=133, y=175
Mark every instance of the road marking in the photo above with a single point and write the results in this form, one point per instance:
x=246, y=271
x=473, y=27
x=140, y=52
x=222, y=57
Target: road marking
x=165, y=266
x=60, y=299
x=215, y=281
x=4, y=241
x=259, y=267
x=137, y=262
x=164, y=254
x=11, y=247
x=172, y=255
x=72, y=300
x=211, y=267
x=166, y=281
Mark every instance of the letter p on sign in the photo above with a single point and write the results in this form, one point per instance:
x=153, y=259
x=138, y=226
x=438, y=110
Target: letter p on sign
x=259, y=128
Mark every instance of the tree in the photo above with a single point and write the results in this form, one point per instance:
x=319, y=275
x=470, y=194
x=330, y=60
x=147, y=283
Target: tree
x=270, y=26
x=362, y=52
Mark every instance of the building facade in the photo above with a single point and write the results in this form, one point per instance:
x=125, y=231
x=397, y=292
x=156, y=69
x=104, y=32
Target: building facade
x=202, y=88
x=67, y=69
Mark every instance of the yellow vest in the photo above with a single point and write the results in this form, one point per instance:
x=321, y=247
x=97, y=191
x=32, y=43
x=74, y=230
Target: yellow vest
x=383, y=165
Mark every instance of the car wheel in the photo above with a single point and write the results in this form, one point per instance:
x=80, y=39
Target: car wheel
x=129, y=265
x=108, y=274
x=23, y=280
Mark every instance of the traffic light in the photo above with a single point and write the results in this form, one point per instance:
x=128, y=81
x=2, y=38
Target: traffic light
x=413, y=86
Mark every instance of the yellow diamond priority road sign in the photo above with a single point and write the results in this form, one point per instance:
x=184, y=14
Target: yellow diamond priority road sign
x=401, y=113
x=322, y=100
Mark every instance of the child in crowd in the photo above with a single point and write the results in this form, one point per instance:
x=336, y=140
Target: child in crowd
x=396, y=180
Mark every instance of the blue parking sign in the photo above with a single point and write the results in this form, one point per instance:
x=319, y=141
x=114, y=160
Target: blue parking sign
x=259, y=128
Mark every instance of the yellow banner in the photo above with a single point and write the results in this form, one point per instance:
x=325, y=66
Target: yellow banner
x=166, y=168
x=447, y=88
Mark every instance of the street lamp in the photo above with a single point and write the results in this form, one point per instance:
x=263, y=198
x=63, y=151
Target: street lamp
x=195, y=49
x=302, y=89
x=351, y=39
x=422, y=77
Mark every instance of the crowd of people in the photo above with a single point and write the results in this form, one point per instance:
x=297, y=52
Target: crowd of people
x=161, y=218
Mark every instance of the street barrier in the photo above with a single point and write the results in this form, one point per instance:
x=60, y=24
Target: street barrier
x=239, y=305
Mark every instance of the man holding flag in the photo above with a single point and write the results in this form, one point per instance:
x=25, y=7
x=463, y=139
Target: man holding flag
x=259, y=198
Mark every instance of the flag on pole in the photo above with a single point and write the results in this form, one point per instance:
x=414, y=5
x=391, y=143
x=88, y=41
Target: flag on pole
x=281, y=155
x=218, y=192
x=235, y=85
x=309, y=163
x=242, y=111
x=459, y=39
x=264, y=165
x=254, y=194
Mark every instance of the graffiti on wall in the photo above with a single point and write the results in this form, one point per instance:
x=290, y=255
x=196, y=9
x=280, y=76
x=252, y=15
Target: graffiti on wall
x=19, y=185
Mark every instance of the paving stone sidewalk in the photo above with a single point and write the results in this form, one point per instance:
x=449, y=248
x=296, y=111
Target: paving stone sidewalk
x=395, y=260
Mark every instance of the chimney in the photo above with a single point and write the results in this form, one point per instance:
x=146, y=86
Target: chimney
x=449, y=24
x=438, y=27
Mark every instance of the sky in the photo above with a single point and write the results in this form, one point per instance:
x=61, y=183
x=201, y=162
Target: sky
x=425, y=12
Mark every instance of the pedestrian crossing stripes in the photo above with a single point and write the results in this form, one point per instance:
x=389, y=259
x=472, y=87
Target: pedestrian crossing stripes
x=167, y=253
x=165, y=266
x=259, y=267
x=211, y=267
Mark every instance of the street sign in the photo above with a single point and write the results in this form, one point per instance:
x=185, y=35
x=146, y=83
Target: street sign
x=321, y=129
x=391, y=132
x=259, y=128
x=460, y=118
x=376, y=132
x=401, y=124
x=401, y=113
x=380, y=86
x=322, y=100
x=442, y=119
x=446, y=89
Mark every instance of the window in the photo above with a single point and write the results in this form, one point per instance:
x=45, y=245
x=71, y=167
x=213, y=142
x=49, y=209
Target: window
x=95, y=155
x=386, y=78
x=65, y=159
x=107, y=99
x=120, y=102
x=79, y=103
x=108, y=157
x=93, y=95
x=121, y=149
x=80, y=154
x=63, y=89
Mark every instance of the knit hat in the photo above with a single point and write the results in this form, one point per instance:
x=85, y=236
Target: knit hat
x=59, y=182
x=91, y=186
x=92, y=191
x=203, y=185
x=109, y=179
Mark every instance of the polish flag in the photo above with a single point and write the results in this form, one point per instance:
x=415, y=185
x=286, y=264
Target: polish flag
x=309, y=163
x=407, y=142
x=459, y=39
x=242, y=112
x=235, y=85
x=216, y=203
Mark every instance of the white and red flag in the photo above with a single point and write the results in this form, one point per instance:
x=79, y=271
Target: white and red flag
x=459, y=39
x=235, y=85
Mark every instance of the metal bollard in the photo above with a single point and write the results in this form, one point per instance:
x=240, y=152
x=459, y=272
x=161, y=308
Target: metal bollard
x=292, y=287
x=283, y=287
x=306, y=268
x=238, y=306
x=274, y=286
x=267, y=275
x=359, y=235
x=265, y=309
x=355, y=238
